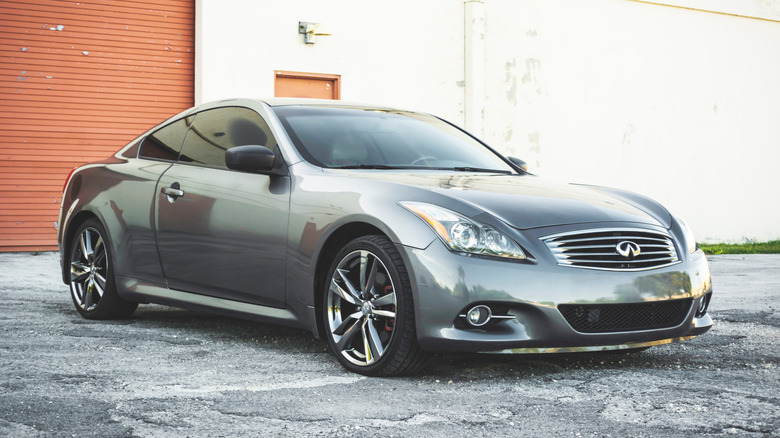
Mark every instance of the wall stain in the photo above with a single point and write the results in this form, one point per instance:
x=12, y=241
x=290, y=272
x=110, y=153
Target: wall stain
x=511, y=82
x=627, y=133
x=532, y=66
x=508, y=135
x=533, y=138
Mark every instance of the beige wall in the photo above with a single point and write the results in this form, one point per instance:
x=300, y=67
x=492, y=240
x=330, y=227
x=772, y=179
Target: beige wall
x=677, y=103
x=402, y=52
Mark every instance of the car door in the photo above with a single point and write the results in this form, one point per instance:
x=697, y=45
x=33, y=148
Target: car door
x=222, y=232
x=132, y=199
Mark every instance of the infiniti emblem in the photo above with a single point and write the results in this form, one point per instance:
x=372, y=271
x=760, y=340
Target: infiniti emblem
x=628, y=249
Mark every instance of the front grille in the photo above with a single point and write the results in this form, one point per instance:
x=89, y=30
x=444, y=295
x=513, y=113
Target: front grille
x=608, y=318
x=599, y=249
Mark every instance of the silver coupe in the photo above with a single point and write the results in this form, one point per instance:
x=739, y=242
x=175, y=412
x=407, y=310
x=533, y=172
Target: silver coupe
x=392, y=234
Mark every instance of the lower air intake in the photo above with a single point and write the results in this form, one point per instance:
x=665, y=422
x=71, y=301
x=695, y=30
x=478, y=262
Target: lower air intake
x=607, y=318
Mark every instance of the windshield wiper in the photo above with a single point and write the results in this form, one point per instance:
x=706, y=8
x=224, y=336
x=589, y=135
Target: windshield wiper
x=367, y=166
x=474, y=169
x=456, y=169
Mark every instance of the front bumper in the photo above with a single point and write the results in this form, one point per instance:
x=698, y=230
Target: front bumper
x=445, y=284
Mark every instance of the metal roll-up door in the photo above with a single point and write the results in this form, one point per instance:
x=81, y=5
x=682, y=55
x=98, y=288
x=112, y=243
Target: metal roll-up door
x=78, y=80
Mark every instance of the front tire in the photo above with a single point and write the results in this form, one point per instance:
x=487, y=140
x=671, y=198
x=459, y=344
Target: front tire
x=368, y=310
x=92, y=282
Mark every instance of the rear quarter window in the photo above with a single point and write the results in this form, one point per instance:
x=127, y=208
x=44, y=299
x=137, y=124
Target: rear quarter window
x=165, y=143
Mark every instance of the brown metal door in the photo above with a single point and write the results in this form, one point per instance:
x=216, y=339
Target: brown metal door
x=78, y=80
x=311, y=85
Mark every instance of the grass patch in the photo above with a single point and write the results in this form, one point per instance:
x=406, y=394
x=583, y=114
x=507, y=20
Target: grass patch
x=771, y=247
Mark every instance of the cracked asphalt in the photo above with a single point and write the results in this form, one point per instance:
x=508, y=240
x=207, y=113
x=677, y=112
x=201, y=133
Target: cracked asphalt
x=175, y=373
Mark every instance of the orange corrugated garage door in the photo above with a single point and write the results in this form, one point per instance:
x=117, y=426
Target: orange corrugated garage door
x=79, y=79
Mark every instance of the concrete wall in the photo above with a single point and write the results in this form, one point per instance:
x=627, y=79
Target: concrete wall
x=678, y=103
x=401, y=53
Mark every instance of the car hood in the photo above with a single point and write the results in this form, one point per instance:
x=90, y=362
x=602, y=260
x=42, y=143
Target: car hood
x=526, y=201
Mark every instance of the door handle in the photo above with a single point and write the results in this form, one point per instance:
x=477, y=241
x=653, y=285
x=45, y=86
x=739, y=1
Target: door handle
x=173, y=192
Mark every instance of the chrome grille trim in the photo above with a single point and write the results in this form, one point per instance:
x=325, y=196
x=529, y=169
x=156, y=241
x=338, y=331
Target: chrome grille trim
x=596, y=249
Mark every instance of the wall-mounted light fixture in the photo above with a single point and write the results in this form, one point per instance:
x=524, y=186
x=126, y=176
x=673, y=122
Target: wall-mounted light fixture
x=311, y=31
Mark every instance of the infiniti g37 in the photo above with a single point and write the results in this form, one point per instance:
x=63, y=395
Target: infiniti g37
x=391, y=234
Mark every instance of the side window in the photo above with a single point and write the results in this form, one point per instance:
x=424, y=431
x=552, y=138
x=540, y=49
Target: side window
x=165, y=143
x=215, y=131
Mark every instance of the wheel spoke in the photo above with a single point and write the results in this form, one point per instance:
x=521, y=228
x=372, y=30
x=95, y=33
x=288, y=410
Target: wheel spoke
x=385, y=313
x=100, y=284
x=79, y=265
x=88, y=296
x=385, y=300
x=368, y=285
x=78, y=272
x=99, y=243
x=99, y=254
x=352, y=291
x=348, y=337
x=338, y=290
x=366, y=346
x=83, y=240
x=78, y=276
x=377, y=350
x=78, y=293
x=344, y=324
x=363, y=268
x=365, y=265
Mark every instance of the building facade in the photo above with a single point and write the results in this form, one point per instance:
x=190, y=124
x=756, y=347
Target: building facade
x=675, y=99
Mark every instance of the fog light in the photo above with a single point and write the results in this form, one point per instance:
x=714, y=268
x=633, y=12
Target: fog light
x=704, y=304
x=479, y=315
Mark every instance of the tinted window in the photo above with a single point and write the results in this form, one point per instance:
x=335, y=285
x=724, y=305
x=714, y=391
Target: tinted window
x=132, y=151
x=215, y=131
x=351, y=137
x=165, y=143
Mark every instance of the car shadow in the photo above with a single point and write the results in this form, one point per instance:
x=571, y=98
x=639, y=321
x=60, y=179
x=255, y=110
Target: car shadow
x=198, y=327
x=472, y=366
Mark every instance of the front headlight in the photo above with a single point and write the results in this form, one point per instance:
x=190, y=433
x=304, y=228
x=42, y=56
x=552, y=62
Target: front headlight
x=464, y=235
x=690, y=239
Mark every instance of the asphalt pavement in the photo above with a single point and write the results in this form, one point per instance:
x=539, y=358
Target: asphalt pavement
x=173, y=373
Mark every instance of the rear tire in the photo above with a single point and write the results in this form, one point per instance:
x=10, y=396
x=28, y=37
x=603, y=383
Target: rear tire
x=368, y=310
x=92, y=282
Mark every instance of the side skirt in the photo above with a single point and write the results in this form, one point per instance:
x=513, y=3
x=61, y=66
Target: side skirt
x=150, y=292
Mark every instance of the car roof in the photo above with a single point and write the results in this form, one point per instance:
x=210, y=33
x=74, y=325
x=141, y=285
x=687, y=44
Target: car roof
x=291, y=101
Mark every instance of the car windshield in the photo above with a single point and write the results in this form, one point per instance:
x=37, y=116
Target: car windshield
x=359, y=138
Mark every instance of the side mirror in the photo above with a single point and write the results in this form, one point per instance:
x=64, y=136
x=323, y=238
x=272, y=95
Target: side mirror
x=522, y=165
x=250, y=158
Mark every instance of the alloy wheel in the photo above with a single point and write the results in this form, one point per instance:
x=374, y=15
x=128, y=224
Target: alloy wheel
x=88, y=269
x=361, y=308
